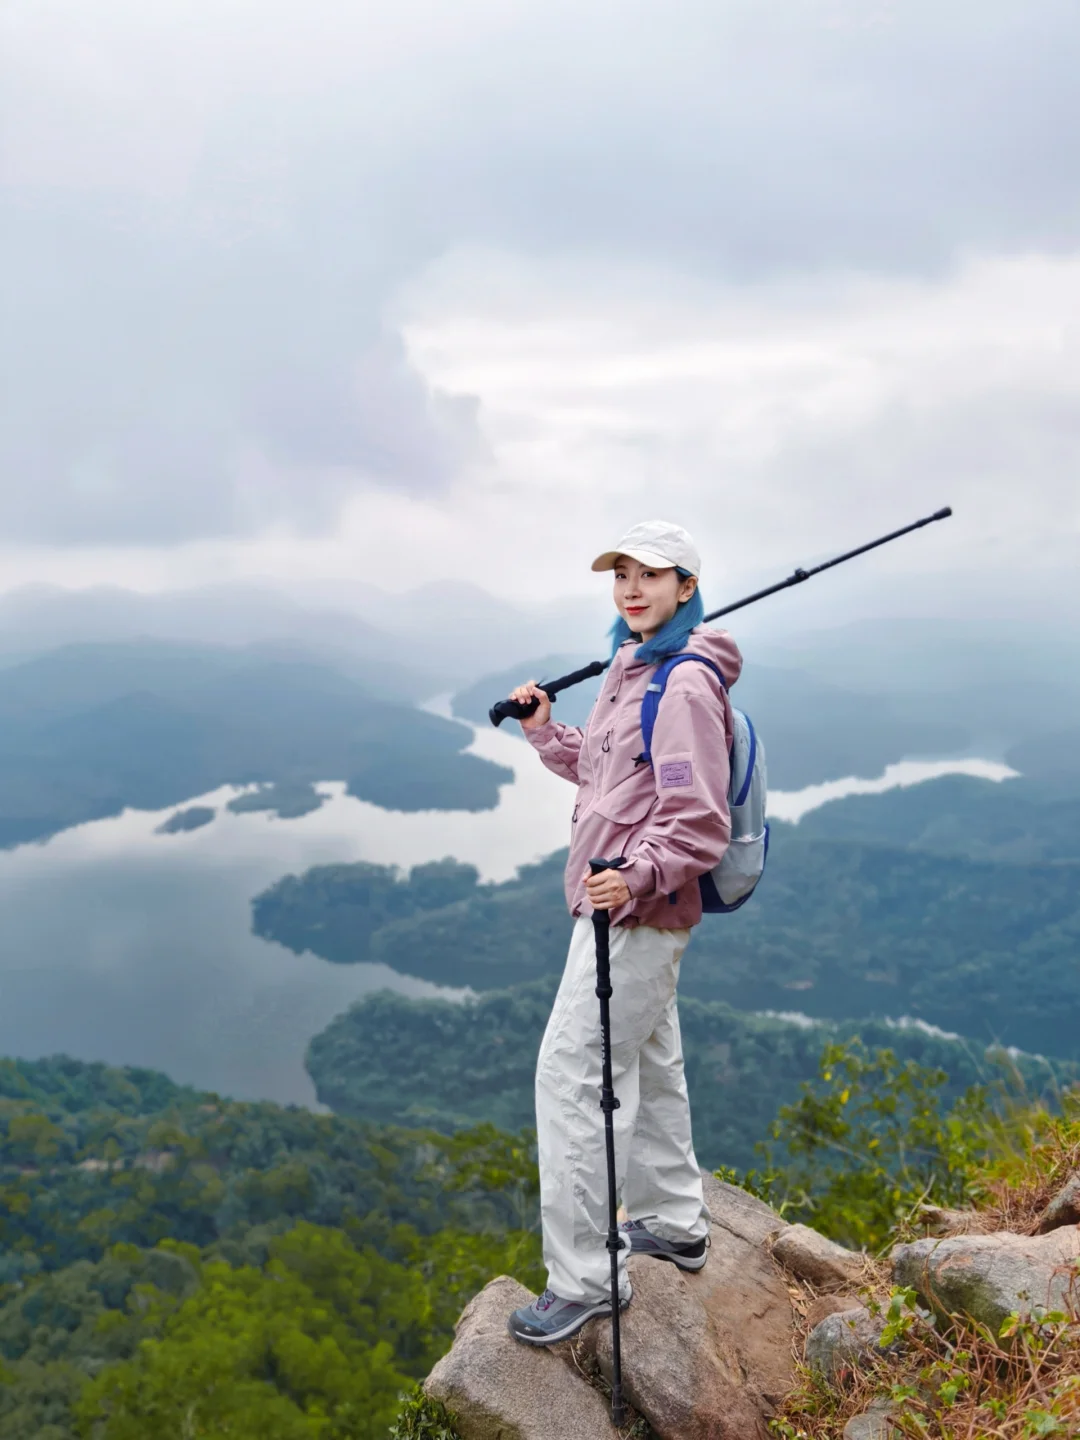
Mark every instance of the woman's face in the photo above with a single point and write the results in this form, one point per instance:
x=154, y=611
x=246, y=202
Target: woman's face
x=647, y=599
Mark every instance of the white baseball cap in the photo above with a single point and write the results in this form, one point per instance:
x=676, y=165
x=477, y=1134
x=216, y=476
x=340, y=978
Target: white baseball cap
x=656, y=543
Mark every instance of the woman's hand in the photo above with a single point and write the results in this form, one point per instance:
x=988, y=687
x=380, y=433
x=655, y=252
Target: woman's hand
x=606, y=891
x=531, y=691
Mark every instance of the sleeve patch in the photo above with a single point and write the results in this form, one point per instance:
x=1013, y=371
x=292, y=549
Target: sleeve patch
x=676, y=773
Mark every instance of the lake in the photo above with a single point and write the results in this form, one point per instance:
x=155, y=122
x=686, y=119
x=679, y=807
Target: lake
x=123, y=945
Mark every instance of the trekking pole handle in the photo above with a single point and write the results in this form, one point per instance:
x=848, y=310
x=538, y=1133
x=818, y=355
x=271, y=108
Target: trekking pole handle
x=602, y=917
x=517, y=710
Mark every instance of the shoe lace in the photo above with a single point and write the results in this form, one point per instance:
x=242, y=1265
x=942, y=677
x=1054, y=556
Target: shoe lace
x=546, y=1300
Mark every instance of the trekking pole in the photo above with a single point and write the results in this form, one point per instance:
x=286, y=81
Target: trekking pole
x=516, y=710
x=602, y=931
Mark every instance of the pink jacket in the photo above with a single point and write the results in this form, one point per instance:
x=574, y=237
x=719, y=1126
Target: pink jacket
x=671, y=821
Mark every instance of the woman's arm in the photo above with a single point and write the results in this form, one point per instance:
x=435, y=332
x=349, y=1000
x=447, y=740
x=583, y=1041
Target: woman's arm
x=690, y=827
x=559, y=746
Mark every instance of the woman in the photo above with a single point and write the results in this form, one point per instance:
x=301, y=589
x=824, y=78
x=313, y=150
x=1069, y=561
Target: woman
x=670, y=821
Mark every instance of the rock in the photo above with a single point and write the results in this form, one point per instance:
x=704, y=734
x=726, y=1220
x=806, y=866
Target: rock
x=872, y=1424
x=737, y=1211
x=708, y=1355
x=822, y=1305
x=812, y=1257
x=503, y=1390
x=940, y=1220
x=842, y=1341
x=989, y=1276
x=680, y=1368
x=1064, y=1209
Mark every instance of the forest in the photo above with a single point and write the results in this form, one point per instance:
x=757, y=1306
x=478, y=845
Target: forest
x=214, y=1268
x=283, y=1274
x=450, y=1064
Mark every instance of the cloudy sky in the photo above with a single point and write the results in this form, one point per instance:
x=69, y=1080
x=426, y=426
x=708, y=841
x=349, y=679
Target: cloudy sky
x=406, y=291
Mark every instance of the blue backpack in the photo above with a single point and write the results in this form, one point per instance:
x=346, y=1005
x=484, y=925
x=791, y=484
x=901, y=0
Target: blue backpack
x=731, y=883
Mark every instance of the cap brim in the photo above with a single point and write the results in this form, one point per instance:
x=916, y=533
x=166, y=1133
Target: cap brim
x=643, y=557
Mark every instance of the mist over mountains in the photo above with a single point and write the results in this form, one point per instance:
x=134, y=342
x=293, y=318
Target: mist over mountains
x=113, y=697
x=850, y=700
x=410, y=645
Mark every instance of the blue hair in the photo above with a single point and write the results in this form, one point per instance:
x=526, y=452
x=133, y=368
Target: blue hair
x=671, y=637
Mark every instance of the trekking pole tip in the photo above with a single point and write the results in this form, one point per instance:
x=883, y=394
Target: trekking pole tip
x=943, y=513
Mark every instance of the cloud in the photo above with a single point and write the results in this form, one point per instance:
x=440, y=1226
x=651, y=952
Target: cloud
x=212, y=209
x=781, y=422
x=869, y=133
x=160, y=384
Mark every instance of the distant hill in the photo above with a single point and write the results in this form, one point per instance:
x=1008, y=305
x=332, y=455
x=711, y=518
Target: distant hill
x=414, y=644
x=840, y=928
x=1005, y=680
x=448, y=1065
x=1016, y=820
x=90, y=729
x=338, y=908
x=1049, y=757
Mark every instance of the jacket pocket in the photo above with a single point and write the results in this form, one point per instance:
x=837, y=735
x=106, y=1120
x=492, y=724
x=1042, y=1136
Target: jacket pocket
x=628, y=802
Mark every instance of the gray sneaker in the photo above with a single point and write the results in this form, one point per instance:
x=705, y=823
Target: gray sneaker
x=550, y=1318
x=691, y=1256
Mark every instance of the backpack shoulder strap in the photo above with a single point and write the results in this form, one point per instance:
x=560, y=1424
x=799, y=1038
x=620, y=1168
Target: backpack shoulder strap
x=751, y=761
x=650, y=705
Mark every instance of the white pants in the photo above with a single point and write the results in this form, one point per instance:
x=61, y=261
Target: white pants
x=655, y=1169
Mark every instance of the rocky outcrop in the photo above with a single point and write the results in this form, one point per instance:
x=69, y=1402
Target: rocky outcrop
x=822, y=1262
x=501, y=1390
x=842, y=1341
x=1064, y=1209
x=987, y=1277
x=708, y=1355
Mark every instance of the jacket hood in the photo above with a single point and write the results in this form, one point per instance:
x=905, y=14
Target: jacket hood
x=717, y=645
x=720, y=648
